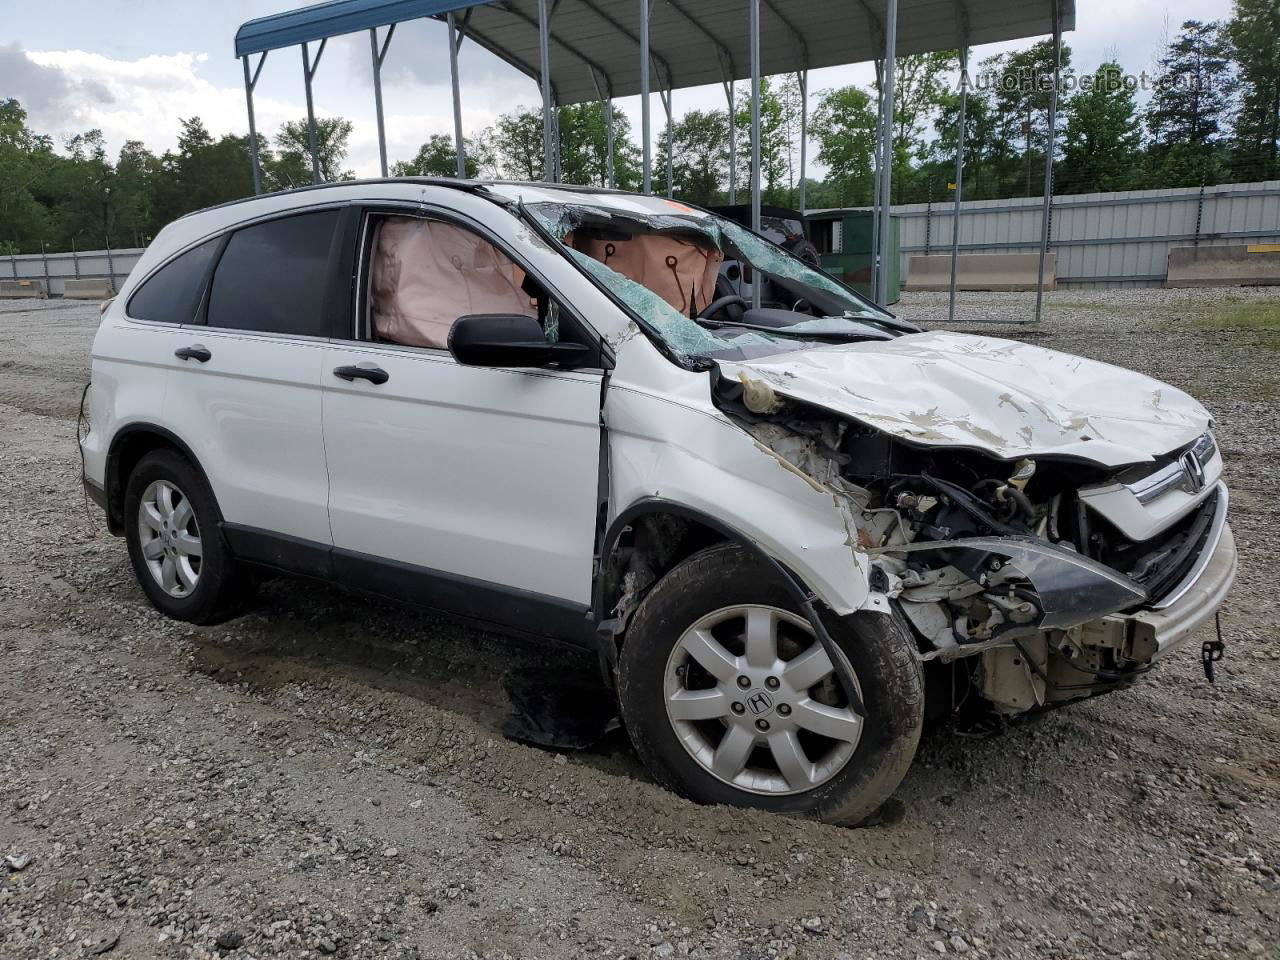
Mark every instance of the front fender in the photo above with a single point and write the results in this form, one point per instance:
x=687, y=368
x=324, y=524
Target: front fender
x=677, y=454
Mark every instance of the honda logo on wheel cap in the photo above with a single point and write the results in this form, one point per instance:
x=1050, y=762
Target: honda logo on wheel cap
x=759, y=703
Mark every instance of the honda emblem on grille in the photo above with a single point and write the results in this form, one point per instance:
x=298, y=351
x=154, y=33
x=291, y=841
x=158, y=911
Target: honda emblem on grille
x=1194, y=470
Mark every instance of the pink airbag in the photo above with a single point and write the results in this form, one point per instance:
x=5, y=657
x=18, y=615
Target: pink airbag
x=428, y=273
x=676, y=269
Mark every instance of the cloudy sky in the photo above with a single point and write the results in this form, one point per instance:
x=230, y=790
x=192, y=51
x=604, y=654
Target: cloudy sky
x=133, y=68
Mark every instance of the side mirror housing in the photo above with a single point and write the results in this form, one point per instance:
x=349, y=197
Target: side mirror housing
x=508, y=340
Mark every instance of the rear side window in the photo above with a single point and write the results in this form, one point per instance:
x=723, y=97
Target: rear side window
x=172, y=294
x=272, y=276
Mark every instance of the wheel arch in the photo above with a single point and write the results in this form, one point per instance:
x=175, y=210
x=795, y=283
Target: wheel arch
x=695, y=530
x=129, y=445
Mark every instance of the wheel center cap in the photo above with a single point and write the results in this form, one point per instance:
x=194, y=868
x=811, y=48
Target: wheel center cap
x=760, y=703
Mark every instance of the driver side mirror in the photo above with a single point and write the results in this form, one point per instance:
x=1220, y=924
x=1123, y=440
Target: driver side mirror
x=509, y=340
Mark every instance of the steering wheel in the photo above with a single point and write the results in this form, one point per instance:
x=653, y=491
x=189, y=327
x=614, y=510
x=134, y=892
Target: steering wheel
x=718, y=304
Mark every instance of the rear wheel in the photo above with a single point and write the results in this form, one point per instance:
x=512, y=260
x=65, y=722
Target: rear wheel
x=175, y=544
x=729, y=697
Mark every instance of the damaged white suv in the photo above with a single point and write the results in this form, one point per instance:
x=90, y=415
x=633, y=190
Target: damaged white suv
x=789, y=522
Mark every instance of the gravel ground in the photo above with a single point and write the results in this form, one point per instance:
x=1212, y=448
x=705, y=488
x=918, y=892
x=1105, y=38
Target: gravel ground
x=326, y=775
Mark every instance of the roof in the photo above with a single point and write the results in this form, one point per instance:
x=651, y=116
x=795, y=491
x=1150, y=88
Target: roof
x=595, y=44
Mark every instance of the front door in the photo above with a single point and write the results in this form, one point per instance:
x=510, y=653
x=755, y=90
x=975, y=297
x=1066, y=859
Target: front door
x=466, y=488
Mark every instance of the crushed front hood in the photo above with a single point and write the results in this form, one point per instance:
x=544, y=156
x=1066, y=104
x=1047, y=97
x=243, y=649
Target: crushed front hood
x=1002, y=397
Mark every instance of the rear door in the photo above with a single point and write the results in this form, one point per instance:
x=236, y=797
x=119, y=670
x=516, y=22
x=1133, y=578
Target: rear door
x=470, y=489
x=245, y=392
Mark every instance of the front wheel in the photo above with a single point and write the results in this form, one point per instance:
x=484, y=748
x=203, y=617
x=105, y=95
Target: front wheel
x=730, y=698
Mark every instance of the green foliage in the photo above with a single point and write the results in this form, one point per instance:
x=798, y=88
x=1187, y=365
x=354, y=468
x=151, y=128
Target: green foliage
x=844, y=126
x=438, y=157
x=1102, y=148
x=1254, y=34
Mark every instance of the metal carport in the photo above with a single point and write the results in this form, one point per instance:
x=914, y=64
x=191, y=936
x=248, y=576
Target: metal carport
x=589, y=50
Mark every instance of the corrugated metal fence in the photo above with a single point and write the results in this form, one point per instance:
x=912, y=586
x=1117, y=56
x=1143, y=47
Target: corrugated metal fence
x=1101, y=238
x=82, y=265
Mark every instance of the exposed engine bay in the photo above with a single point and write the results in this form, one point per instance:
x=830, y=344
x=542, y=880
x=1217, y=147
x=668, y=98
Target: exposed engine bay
x=989, y=559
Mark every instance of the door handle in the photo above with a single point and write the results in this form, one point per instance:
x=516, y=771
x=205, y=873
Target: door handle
x=197, y=352
x=375, y=375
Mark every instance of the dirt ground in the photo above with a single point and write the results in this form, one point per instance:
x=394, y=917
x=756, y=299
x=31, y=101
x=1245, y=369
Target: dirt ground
x=327, y=775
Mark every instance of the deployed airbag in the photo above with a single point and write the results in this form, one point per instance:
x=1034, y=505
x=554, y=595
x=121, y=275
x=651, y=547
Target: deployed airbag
x=428, y=273
x=679, y=269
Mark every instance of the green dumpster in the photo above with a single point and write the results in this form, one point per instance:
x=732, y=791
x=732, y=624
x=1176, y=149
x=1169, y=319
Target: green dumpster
x=843, y=239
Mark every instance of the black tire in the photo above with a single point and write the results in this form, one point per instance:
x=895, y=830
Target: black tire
x=878, y=647
x=806, y=251
x=221, y=589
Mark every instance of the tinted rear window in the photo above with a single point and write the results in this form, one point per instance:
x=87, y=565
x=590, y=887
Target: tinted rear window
x=272, y=276
x=172, y=294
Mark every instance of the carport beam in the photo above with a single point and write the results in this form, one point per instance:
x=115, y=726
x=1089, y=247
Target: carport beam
x=459, y=145
x=754, y=29
x=1046, y=214
x=886, y=163
x=250, y=82
x=646, y=179
x=955, y=209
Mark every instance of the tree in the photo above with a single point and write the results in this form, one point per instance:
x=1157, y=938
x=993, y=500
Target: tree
x=438, y=157
x=1254, y=33
x=700, y=157
x=1102, y=147
x=1191, y=96
x=584, y=147
x=518, y=142
x=919, y=88
x=844, y=126
x=293, y=167
x=775, y=147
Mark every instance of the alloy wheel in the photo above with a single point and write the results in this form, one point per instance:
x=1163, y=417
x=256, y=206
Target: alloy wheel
x=170, y=538
x=753, y=698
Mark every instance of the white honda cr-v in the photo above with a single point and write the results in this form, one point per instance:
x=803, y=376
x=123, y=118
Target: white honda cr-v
x=790, y=523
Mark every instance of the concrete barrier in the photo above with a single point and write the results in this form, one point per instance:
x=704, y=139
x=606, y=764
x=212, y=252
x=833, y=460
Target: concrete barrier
x=981, y=271
x=1236, y=265
x=23, y=289
x=88, y=289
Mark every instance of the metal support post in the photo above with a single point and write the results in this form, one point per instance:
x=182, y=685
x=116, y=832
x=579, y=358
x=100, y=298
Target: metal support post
x=886, y=170
x=75, y=258
x=665, y=97
x=876, y=183
x=459, y=145
x=544, y=60
x=955, y=207
x=757, y=284
x=379, y=54
x=608, y=137
x=733, y=141
x=250, y=82
x=646, y=179
x=1050, y=144
x=308, y=74
x=803, y=79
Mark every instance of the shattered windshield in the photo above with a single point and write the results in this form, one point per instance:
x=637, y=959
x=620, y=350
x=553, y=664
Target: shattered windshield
x=692, y=281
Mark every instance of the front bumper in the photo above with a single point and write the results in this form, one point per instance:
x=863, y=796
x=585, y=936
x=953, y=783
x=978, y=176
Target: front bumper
x=1153, y=633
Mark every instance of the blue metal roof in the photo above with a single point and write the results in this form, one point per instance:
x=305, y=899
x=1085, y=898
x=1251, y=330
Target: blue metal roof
x=331, y=19
x=594, y=44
